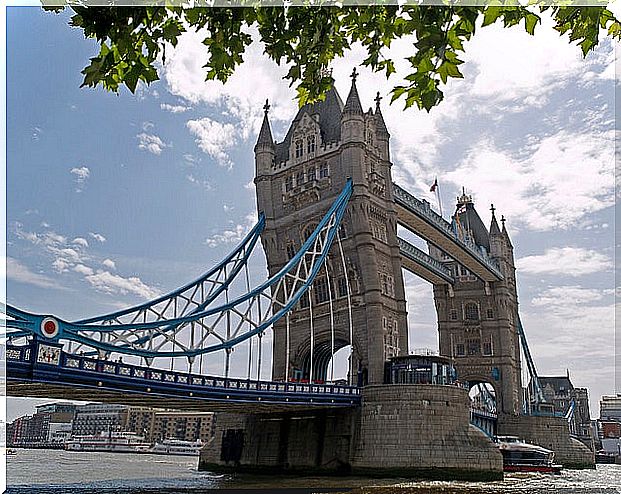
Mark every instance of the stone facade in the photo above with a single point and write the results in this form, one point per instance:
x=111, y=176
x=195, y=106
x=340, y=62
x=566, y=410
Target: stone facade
x=411, y=430
x=296, y=181
x=477, y=321
x=549, y=432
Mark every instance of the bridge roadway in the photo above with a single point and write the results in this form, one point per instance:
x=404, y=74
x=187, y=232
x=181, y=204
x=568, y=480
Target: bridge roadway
x=422, y=264
x=418, y=217
x=45, y=371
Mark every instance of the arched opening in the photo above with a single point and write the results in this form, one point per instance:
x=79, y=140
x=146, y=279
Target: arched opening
x=322, y=360
x=482, y=396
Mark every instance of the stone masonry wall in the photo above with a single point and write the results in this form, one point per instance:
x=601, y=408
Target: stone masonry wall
x=551, y=433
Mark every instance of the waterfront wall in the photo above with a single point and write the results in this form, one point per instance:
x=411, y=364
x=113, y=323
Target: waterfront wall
x=413, y=430
x=551, y=433
x=422, y=430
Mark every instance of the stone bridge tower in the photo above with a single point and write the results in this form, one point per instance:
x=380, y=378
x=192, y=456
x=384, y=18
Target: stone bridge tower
x=296, y=181
x=477, y=321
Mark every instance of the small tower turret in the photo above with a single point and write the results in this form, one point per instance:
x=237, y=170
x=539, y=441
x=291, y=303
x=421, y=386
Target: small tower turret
x=352, y=119
x=264, y=149
x=381, y=131
x=495, y=238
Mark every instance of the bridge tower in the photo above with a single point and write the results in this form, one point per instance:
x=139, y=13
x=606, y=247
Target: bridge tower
x=477, y=320
x=296, y=181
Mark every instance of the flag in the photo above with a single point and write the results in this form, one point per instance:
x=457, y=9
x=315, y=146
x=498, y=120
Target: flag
x=461, y=209
x=434, y=186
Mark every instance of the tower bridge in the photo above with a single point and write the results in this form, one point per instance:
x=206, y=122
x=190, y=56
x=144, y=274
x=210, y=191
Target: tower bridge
x=328, y=220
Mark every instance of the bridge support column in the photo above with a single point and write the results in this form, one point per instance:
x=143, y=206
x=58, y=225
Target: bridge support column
x=422, y=431
x=551, y=433
x=302, y=442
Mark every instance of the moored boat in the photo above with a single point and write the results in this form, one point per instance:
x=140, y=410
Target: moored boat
x=519, y=456
x=177, y=447
x=116, y=442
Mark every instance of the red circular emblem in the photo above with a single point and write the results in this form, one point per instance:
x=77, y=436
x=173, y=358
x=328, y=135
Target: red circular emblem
x=49, y=327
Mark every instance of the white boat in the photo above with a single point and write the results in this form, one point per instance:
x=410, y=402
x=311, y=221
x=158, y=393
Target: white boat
x=117, y=442
x=177, y=447
x=519, y=456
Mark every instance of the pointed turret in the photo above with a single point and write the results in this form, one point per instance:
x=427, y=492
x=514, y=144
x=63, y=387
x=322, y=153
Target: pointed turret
x=380, y=126
x=352, y=105
x=264, y=149
x=493, y=227
x=505, y=233
x=265, y=134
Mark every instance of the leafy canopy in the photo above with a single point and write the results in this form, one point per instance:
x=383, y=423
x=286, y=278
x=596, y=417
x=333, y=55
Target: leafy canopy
x=308, y=39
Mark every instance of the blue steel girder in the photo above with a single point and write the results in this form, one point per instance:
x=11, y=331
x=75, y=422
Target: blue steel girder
x=422, y=264
x=418, y=217
x=41, y=369
x=218, y=327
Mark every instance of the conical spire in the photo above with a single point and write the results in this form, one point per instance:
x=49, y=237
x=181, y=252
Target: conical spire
x=505, y=233
x=352, y=105
x=265, y=134
x=380, y=126
x=493, y=228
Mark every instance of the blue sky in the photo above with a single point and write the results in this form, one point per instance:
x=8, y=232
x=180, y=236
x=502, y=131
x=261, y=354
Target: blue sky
x=112, y=199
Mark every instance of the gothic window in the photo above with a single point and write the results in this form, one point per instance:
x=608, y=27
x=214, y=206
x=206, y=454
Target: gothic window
x=460, y=349
x=463, y=271
x=310, y=144
x=342, y=286
x=453, y=314
x=289, y=183
x=290, y=250
x=304, y=300
x=299, y=178
x=342, y=231
x=311, y=174
x=490, y=313
x=321, y=290
x=471, y=312
x=487, y=348
x=387, y=284
x=324, y=171
x=299, y=148
x=474, y=347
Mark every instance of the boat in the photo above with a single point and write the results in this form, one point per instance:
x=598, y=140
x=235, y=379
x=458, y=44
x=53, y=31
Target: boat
x=520, y=456
x=605, y=457
x=116, y=442
x=11, y=452
x=177, y=447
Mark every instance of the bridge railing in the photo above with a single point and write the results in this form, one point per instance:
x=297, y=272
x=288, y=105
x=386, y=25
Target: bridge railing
x=140, y=374
x=424, y=259
x=423, y=208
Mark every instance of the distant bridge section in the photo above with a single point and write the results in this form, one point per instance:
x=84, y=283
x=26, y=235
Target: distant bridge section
x=418, y=217
x=422, y=264
x=44, y=370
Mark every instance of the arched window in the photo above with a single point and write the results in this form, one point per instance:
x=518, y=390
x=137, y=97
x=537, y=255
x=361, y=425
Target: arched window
x=299, y=148
x=471, y=312
x=310, y=144
x=308, y=231
x=324, y=171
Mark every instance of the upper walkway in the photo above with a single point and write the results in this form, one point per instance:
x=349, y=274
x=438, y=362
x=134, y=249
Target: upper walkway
x=422, y=264
x=418, y=217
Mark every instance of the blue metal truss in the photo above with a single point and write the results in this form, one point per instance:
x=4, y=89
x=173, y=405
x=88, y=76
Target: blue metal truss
x=193, y=333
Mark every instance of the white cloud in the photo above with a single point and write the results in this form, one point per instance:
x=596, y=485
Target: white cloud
x=214, y=138
x=82, y=269
x=197, y=181
x=568, y=295
x=82, y=242
x=107, y=282
x=98, y=236
x=109, y=263
x=174, y=108
x=570, y=261
x=18, y=272
x=81, y=174
x=151, y=143
x=61, y=265
x=234, y=234
x=559, y=181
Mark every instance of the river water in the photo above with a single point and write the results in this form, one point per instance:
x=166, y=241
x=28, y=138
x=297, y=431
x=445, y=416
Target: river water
x=63, y=472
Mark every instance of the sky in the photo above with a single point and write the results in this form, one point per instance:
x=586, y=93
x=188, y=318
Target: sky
x=114, y=199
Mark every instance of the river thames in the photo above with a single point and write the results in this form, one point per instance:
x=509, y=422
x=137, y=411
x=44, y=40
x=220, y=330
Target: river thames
x=61, y=472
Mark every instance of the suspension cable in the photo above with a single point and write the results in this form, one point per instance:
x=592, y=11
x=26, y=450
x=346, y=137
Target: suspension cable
x=227, y=363
x=312, y=332
x=249, y=324
x=349, y=311
x=331, y=319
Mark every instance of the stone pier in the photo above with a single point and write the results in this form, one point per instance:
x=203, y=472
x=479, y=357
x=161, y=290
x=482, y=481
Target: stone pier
x=409, y=430
x=551, y=433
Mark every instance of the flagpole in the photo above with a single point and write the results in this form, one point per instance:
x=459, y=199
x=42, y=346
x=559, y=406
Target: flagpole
x=439, y=200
